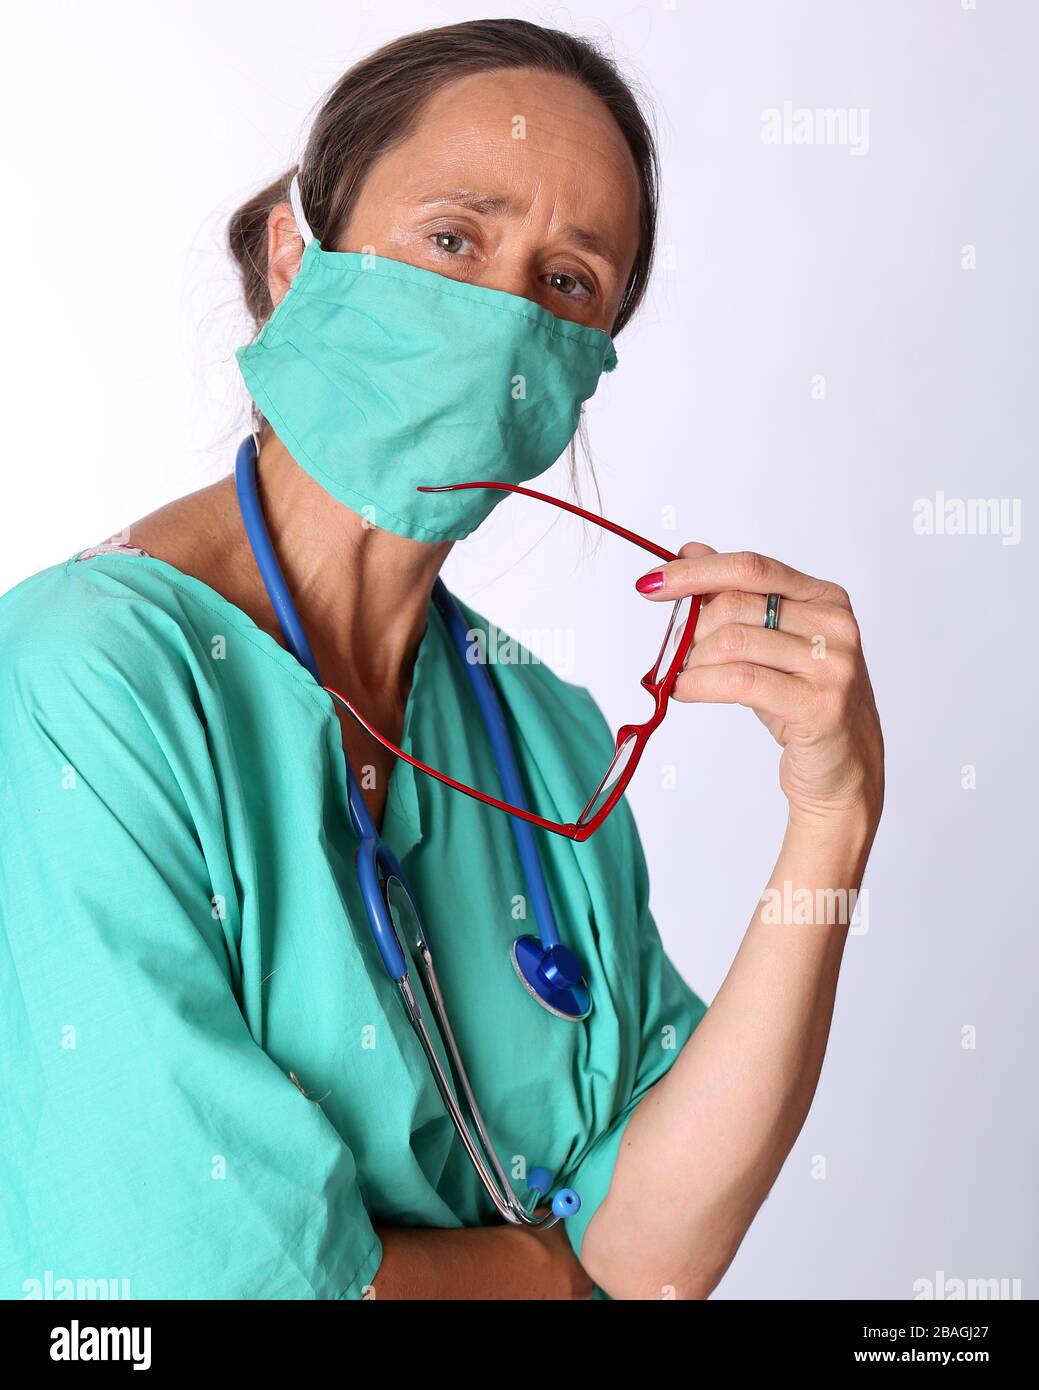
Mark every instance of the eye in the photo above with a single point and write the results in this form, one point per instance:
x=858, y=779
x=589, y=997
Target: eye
x=452, y=243
x=572, y=286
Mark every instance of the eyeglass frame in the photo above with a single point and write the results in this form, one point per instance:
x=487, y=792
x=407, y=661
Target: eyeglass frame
x=660, y=689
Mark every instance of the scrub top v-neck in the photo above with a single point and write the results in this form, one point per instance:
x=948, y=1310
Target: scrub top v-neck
x=210, y=1088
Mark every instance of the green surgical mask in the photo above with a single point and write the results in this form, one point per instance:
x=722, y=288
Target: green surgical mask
x=379, y=377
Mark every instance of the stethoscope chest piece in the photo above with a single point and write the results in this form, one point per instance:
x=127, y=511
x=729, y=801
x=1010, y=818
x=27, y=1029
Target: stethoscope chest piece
x=552, y=976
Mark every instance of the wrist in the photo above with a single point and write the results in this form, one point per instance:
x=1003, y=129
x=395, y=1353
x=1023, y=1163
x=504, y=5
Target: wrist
x=563, y=1272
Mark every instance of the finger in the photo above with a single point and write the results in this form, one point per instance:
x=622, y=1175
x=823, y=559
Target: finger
x=692, y=550
x=772, y=693
x=780, y=651
x=744, y=570
x=802, y=619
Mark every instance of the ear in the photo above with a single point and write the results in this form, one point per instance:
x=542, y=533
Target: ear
x=284, y=251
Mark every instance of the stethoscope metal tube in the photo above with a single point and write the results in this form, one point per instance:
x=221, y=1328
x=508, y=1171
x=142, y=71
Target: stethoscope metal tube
x=480, y=1150
x=378, y=872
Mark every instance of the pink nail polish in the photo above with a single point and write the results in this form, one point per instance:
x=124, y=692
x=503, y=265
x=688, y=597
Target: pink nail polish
x=650, y=583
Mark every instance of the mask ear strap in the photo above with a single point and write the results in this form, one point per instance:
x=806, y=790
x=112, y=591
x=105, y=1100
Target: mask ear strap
x=297, y=210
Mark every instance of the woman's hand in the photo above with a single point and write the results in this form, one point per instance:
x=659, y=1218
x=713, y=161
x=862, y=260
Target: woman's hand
x=484, y=1262
x=806, y=680
x=717, y=1149
x=568, y=1275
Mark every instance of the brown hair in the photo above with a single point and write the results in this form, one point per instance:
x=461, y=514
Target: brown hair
x=375, y=104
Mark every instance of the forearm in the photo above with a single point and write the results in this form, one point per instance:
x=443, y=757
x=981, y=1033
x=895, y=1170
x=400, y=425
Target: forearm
x=710, y=1138
x=489, y=1262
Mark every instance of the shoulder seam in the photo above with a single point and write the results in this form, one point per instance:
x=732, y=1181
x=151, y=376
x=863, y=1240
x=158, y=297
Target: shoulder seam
x=300, y=677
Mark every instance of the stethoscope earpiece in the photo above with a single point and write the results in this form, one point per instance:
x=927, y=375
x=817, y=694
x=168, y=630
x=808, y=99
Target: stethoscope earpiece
x=539, y=1183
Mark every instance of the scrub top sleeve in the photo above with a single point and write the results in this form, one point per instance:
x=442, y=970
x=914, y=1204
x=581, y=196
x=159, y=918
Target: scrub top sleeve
x=145, y=1135
x=669, y=1011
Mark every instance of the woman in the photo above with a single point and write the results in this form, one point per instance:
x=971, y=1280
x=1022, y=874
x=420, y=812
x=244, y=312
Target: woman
x=211, y=1090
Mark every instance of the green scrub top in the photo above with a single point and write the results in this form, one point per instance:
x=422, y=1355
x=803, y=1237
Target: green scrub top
x=181, y=935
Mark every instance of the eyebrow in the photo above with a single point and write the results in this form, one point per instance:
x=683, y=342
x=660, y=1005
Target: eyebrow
x=491, y=204
x=496, y=205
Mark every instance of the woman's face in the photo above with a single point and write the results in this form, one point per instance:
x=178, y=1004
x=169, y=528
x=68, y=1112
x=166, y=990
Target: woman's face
x=514, y=180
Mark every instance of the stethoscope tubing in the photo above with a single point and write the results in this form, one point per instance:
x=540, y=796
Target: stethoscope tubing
x=266, y=559
x=508, y=772
x=377, y=865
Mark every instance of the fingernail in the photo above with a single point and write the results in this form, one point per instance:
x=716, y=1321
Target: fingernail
x=650, y=583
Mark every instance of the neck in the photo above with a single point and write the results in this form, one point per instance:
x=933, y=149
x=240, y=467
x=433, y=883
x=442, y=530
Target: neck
x=362, y=593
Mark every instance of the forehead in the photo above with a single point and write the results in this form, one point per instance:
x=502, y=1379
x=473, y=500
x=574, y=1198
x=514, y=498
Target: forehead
x=545, y=139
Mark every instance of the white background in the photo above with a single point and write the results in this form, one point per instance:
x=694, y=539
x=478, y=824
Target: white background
x=132, y=131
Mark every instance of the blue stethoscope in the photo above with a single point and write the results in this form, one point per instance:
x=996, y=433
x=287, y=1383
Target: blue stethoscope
x=549, y=971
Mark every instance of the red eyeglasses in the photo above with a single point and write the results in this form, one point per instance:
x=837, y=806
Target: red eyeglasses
x=631, y=738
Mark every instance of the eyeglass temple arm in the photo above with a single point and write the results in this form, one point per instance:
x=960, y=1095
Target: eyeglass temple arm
x=568, y=829
x=621, y=531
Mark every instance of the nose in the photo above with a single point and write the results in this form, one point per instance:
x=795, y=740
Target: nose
x=512, y=279
x=514, y=271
